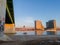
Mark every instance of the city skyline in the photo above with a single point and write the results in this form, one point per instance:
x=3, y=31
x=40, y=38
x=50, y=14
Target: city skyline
x=27, y=11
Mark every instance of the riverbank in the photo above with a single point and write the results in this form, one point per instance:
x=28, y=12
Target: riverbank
x=31, y=40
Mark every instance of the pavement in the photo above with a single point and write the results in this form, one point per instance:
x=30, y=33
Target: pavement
x=4, y=37
x=28, y=39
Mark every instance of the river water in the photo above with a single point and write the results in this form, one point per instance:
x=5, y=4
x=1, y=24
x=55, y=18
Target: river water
x=33, y=33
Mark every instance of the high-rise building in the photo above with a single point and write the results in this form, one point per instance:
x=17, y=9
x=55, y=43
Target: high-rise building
x=51, y=27
x=38, y=27
x=9, y=26
x=51, y=24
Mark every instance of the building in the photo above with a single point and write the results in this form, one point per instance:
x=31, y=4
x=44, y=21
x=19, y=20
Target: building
x=51, y=24
x=9, y=26
x=38, y=27
x=51, y=27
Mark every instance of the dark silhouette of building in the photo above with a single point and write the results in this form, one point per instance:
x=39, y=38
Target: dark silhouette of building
x=51, y=24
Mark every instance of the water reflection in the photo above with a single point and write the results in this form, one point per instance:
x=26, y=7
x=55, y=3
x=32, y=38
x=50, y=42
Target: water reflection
x=25, y=33
x=33, y=33
x=39, y=41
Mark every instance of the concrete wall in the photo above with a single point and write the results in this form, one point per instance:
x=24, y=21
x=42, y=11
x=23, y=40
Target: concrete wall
x=2, y=14
x=2, y=8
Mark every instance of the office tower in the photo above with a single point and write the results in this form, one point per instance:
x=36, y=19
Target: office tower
x=38, y=27
x=51, y=24
x=51, y=27
x=9, y=26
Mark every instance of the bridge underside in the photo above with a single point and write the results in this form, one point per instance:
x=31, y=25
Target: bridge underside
x=9, y=26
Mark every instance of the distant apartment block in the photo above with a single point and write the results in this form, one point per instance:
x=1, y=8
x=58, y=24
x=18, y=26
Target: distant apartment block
x=24, y=29
x=51, y=27
x=38, y=27
x=51, y=24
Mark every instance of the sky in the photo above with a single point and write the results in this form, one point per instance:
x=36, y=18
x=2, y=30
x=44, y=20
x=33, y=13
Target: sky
x=27, y=11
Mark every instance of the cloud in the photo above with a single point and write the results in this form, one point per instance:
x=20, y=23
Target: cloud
x=27, y=21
